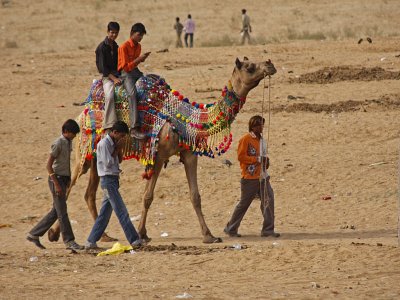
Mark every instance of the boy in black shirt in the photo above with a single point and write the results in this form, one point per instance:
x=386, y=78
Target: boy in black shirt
x=107, y=64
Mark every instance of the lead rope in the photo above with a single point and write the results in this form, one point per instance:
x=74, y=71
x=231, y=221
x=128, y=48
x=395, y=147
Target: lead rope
x=263, y=183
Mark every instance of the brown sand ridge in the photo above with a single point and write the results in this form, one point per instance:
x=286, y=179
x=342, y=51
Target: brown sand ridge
x=334, y=134
x=343, y=73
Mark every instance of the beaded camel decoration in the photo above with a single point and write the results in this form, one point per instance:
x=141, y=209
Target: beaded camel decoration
x=202, y=128
x=174, y=126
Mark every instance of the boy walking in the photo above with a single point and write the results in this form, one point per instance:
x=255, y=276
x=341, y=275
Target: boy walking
x=129, y=57
x=252, y=155
x=109, y=156
x=58, y=167
x=107, y=65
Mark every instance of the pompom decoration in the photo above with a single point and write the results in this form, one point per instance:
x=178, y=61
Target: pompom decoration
x=202, y=128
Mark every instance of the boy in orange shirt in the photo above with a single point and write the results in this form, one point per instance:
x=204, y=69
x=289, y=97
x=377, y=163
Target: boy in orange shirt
x=255, y=180
x=129, y=57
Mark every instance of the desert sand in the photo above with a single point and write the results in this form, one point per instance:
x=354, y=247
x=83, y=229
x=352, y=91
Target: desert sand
x=333, y=134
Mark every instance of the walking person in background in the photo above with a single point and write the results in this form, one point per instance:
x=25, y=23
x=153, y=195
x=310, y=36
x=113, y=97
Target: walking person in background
x=246, y=28
x=189, y=31
x=58, y=167
x=252, y=155
x=178, y=28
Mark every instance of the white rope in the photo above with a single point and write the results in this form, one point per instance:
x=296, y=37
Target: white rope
x=398, y=208
x=265, y=197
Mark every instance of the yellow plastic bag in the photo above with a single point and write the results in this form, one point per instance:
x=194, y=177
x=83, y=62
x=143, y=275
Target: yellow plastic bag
x=117, y=248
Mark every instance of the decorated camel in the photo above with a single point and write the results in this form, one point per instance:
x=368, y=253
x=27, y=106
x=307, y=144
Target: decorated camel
x=174, y=125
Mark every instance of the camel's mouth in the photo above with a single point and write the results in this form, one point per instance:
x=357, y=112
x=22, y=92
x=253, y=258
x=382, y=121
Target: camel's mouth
x=270, y=70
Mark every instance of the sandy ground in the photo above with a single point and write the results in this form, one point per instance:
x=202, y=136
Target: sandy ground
x=334, y=131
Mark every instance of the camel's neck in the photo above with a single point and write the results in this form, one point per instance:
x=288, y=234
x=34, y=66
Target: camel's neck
x=229, y=104
x=238, y=86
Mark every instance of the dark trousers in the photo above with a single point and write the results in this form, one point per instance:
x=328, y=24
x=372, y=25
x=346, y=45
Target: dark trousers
x=250, y=188
x=190, y=35
x=58, y=211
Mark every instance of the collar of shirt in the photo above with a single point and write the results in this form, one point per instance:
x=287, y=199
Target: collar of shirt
x=253, y=135
x=132, y=43
x=109, y=139
x=64, y=138
x=110, y=43
x=68, y=141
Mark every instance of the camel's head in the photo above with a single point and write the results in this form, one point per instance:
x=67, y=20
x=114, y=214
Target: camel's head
x=248, y=74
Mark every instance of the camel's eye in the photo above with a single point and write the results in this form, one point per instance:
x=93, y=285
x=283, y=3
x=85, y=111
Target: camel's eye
x=251, y=68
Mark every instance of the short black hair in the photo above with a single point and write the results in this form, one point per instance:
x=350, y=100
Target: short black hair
x=189, y=16
x=138, y=27
x=177, y=19
x=255, y=121
x=121, y=127
x=113, y=26
x=243, y=11
x=70, y=126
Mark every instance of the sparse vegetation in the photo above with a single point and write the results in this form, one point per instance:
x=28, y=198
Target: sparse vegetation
x=293, y=34
x=222, y=41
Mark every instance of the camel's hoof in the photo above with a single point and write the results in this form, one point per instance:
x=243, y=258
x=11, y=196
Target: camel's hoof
x=145, y=238
x=106, y=238
x=212, y=240
x=52, y=235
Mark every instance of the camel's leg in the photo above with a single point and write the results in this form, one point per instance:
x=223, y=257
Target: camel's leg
x=148, y=198
x=190, y=162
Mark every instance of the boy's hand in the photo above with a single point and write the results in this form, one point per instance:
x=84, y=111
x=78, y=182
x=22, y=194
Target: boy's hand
x=144, y=56
x=266, y=163
x=57, y=188
x=117, y=81
x=121, y=143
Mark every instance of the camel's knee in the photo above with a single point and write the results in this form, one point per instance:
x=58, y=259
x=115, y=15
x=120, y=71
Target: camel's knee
x=196, y=199
x=147, y=200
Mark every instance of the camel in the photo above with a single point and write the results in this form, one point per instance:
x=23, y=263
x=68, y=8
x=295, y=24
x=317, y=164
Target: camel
x=246, y=76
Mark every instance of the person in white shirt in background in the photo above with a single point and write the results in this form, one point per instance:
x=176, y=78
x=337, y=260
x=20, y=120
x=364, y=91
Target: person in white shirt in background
x=189, y=31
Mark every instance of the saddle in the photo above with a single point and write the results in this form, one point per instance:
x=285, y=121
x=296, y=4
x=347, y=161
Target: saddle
x=91, y=119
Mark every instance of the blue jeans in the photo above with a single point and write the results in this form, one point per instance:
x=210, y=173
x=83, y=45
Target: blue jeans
x=112, y=200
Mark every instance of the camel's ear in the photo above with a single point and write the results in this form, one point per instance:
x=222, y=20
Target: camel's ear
x=238, y=63
x=245, y=58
